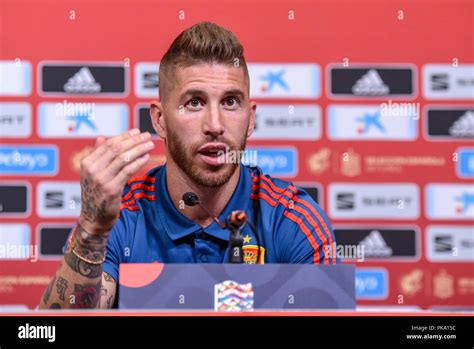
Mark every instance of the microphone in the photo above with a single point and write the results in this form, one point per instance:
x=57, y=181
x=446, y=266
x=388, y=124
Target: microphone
x=191, y=199
x=236, y=219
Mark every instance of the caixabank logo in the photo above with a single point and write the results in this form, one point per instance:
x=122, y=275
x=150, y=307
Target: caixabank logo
x=372, y=122
x=284, y=80
x=81, y=119
x=371, y=81
x=98, y=79
x=449, y=201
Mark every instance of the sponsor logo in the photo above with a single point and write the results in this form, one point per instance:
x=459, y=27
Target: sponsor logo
x=450, y=243
x=28, y=160
x=15, y=120
x=58, y=199
x=81, y=120
x=443, y=81
x=76, y=79
x=14, y=199
x=371, y=81
x=449, y=201
x=232, y=296
x=15, y=78
x=449, y=123
x=52, y=240
x=443, y=285
x=274, y=161
x=146, y=79
x=284, y=80
x=371, y=283
x=15, y=242
x=371, y=122
x=370, y=84
x=287, y=122
x=319, y=162
x=352, y=164
x=411, y=283
x=358, y=201
x=465, y=163
x=82, y=82
x=381, y=243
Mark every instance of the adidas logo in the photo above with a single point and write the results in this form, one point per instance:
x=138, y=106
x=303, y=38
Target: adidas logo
x=370, y=84
x=464, y=126
x=375, y=246
x=82, y=82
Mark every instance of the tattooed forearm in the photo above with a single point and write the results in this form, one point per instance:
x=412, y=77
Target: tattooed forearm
x=61, y=286
x=88, y=246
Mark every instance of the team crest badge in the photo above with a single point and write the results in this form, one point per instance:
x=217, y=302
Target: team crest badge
x=251, y=253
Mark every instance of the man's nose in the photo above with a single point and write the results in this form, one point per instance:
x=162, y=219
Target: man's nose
x=213, y=122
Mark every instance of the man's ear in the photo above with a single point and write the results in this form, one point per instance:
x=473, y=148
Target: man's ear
x=253, y=111
x=157, y=119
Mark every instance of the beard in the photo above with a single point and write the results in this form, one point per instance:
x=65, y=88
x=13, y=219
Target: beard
x=212, y=177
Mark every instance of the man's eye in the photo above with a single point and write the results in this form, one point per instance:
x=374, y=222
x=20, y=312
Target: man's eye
x=231, y=101
x=194, y=103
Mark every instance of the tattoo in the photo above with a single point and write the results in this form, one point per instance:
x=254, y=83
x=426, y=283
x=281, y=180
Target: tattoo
x=91, y=247
x=90, y=271
x=55, y=306
x=61, y=286
x=48, y=291
x=91, y=209
x=86, y=296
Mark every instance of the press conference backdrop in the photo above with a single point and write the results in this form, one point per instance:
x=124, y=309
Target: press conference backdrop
x=367, y=105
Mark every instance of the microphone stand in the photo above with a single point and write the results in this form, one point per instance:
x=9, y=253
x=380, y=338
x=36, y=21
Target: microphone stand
x=236, y=242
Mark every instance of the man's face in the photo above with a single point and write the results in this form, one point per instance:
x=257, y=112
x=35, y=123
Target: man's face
x=207, y=119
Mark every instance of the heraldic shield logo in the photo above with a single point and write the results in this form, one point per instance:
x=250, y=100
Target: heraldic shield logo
x=232, y=296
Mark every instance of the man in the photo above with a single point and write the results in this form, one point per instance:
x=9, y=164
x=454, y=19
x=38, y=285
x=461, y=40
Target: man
x=204, y=117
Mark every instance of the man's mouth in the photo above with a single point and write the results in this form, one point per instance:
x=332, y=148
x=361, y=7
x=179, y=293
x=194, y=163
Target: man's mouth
x=213, y=154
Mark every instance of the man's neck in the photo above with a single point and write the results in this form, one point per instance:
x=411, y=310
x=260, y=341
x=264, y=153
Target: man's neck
x=213, y=199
